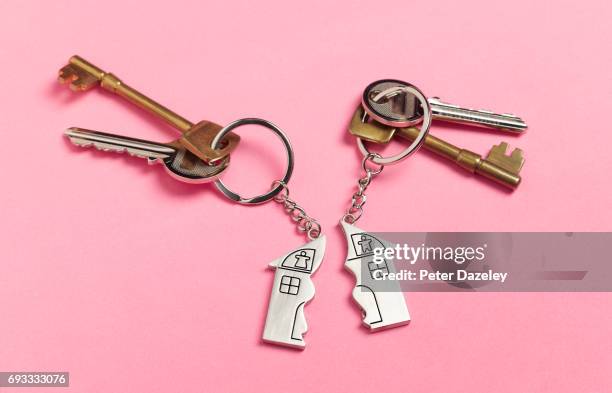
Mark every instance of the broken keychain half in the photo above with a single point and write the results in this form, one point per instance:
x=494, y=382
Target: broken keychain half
x=399, y=106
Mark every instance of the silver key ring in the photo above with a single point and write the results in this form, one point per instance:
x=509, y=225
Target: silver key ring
x=280, y=185
x=416, y=144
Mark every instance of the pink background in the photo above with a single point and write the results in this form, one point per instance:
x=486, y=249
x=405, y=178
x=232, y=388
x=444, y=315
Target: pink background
x=134, y=282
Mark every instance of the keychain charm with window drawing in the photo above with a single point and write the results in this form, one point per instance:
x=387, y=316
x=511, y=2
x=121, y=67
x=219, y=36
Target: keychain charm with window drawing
x=382, y=306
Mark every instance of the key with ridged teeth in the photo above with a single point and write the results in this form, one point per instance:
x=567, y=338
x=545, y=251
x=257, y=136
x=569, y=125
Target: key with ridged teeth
x=388, y=102
x=497, y=165
x=178, y=162
x=196, y=138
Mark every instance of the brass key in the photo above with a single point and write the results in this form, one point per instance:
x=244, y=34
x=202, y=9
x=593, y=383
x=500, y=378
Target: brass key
x=497, y=166
x=196, y=138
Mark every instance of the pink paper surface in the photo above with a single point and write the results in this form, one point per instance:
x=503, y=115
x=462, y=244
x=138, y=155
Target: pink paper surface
x=134, y=282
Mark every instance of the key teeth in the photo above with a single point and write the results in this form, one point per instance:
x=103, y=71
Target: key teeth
x=78, y=80
x=83, y=82
x=502, y=148
x=517, y=155
x=66, y=74
x=106, y=148
x=513, y=162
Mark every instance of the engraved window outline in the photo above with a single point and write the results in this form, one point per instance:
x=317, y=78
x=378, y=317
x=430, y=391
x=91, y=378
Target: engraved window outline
x=375, y=266
x=289, y=264
x=290, y=285
x=358, y=249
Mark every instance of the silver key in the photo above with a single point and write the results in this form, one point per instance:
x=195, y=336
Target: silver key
x=387, y=102
x=179, y=163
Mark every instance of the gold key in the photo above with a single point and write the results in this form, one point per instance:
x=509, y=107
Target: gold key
x=497, y=165
x=196, y=138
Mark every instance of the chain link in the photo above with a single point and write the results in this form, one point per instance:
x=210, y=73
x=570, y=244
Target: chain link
x=354, y=212
x=304, y=222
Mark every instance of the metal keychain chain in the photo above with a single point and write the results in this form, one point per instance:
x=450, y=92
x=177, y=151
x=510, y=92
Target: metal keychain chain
x=354, y=212
x=303, y=221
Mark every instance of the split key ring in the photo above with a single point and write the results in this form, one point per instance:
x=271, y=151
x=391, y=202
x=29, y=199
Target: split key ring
x=279, y=185
x=418, y=141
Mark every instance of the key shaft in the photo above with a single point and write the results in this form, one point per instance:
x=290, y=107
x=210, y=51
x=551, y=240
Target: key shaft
x=110, y=142
x=502, y=121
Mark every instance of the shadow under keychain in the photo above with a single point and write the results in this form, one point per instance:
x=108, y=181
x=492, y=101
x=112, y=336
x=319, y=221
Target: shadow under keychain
x=200, y=155
x=381, y=301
